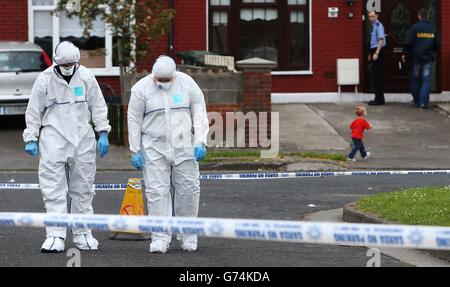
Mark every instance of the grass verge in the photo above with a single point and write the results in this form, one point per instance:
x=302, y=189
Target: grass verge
x=251, y=155
x=415, y=206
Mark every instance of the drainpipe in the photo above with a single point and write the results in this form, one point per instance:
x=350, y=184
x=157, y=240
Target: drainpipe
x=171, y=32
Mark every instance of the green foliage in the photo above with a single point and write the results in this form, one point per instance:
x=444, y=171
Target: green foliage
x=415, y=206
x=246, y=154
x=140, y=22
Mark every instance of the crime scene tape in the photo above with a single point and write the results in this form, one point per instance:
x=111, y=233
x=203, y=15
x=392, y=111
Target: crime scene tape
x=301, y=174
x=250, y=176
x=35, y=186
x=370, y=235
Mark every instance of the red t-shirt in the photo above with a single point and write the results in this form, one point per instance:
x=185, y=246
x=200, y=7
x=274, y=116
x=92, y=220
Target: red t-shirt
x=358, y=127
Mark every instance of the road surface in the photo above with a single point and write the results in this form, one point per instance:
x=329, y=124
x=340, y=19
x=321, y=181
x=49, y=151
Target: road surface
x=286, y=199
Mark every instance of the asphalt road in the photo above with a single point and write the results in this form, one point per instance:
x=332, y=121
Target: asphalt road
x=286, y=199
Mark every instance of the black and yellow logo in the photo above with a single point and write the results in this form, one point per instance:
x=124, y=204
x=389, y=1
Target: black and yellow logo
x=425, y=35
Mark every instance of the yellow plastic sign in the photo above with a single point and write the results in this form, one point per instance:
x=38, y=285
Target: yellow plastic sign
x=132, y=204
x=133, y=201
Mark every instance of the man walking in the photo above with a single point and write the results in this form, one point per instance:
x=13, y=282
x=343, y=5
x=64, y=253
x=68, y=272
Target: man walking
x=421, y=43
x=376, y=57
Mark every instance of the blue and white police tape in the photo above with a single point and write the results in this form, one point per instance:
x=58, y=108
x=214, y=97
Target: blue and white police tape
x=35, y=186
x=371, y=235
x=301, y=174
x=252, y=176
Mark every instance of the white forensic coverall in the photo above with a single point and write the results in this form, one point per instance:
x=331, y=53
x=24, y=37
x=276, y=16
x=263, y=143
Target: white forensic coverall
x=60, y=114
x=165, y=125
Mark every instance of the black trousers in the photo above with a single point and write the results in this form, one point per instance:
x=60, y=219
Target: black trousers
x=377, y=75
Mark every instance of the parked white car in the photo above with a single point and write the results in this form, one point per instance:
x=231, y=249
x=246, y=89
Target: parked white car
x=20, y=65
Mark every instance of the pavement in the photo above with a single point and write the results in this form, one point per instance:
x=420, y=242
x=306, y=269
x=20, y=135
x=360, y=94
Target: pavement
x=13, y=156
x=303, y=129
x=414, y=257
x=351, y=214
x=445, y=107
x=287, y=199
x=402, y=138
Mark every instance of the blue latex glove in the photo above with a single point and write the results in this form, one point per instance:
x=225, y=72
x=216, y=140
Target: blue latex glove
x=200, y=152
x=103, y=144
x=31, y=148
x=137, y=161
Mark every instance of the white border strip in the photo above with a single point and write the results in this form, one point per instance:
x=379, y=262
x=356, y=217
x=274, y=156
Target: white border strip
x=373, y=235
x=309, y=98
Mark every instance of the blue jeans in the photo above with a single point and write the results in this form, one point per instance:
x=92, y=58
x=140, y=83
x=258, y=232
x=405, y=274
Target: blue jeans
x=421, y=83
x=358, y=145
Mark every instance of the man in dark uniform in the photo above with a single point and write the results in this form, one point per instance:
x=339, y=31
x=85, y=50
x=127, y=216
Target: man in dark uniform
x=376, y=57
x=421, y=43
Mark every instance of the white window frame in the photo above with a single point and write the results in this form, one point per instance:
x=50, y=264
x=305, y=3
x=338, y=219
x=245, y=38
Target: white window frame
x=308, y=72
x=109, y=69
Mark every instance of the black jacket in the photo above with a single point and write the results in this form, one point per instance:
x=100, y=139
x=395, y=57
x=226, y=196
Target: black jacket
x=422, y=41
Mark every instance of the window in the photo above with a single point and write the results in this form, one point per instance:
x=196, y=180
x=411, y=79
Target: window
x=23, y=61
x=219, y=26
x=48, y=30
x=277, y=30
x=258, y=35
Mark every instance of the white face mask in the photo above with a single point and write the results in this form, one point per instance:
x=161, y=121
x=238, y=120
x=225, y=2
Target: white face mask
x=164, y=86
x=67, y=71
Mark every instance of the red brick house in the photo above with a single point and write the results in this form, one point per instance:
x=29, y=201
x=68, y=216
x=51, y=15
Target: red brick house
x=304, y=37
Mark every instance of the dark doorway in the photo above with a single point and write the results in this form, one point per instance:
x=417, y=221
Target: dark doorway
x=397, y=16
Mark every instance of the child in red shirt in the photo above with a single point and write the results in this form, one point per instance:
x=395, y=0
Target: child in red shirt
x=358, y=126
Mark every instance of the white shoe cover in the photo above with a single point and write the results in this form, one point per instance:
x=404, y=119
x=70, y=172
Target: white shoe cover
x=85, y=242
x=188, y=242
x=159, y=246
x=53, y=245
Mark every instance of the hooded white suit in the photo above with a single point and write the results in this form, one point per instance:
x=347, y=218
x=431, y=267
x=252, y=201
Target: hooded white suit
x=60, y=114
x=165, y=124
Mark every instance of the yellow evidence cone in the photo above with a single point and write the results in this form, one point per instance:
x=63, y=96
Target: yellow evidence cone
x=132, y=204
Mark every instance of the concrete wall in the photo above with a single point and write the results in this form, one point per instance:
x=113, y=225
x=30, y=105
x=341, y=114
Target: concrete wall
x=219, y=87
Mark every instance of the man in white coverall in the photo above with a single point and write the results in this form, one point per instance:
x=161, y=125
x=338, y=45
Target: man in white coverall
x=64, y=99
x=168, y=127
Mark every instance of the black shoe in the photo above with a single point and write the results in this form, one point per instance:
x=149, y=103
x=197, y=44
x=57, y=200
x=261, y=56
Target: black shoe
x=414, y=104
x=423, y=107
x=376, y=103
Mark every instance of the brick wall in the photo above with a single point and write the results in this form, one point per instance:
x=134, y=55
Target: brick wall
x=331, y=39
x=113, y=82
x=257, y=90
x=13, y=20
x=257, y=98
x=190, y=25
x=189, y=32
